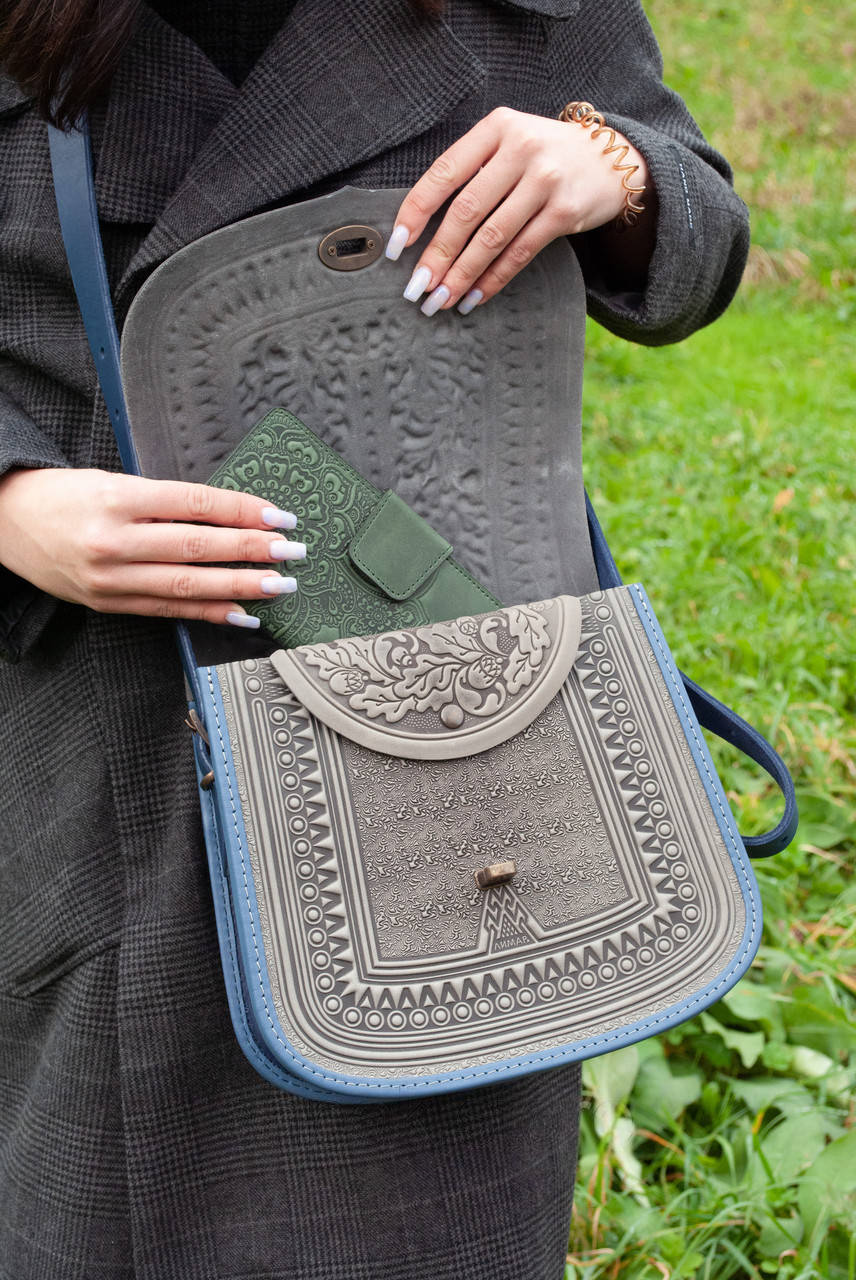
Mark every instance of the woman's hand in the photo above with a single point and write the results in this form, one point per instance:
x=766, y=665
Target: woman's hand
x=122, y=544
x=522, y=181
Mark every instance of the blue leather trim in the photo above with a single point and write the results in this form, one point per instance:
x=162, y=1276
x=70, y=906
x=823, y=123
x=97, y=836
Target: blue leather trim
x=675, y=682
x=71, y=160
x=236, y=992
x=264, y=1024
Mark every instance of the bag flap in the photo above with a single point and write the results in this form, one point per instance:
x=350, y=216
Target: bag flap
x=441, y=691
x=396, y=549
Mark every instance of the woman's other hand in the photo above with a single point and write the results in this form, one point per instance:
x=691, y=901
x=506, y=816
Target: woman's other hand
x=522, y=180
x=123, y=544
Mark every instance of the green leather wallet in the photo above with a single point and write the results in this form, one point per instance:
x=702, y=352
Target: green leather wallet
x=372, y=564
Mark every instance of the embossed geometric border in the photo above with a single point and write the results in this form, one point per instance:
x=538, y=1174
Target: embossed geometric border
x=389, y=1003
x=741, y=955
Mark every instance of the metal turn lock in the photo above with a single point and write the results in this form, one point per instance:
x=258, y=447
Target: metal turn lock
x=496, y=873
x=351, y=247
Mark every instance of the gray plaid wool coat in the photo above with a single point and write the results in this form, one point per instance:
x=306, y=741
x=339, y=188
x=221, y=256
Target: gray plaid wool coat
x=135, y=1140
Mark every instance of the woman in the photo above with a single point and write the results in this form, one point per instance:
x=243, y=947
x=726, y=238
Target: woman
x=136, y=1141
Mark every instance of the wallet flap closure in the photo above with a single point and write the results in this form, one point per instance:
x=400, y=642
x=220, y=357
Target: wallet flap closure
x=441, y=691
x=396, y=549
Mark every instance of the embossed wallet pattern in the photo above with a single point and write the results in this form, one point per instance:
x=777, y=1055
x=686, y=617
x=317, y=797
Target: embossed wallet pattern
x=461, y=851
x=372, y=561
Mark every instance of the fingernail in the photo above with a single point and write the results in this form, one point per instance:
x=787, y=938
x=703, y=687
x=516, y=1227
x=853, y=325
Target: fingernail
x=435, y=300
x=278, y=586
x=279, y=519
x=396, y=242
x=238, y=618
x=417, y=284
x=470, y=300
x=281, y=549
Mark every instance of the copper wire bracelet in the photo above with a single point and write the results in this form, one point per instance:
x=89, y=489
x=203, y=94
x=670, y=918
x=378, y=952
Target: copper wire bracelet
x=584, y=113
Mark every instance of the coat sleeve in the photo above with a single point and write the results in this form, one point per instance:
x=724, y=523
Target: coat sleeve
x=24, y=609
x=702, y=232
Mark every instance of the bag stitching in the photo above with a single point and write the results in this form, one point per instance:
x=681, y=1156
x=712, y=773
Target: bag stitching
x=361, y=563
x=249, y=1042
x=415, y=1086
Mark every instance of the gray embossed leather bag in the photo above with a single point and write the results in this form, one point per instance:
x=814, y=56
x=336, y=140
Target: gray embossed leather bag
x=471, y=849
x=454, y=852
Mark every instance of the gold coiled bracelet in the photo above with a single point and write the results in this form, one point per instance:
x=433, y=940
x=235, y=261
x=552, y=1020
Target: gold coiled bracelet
x=583, y=113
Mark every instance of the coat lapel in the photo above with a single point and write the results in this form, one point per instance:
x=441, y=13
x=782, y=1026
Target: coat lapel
x=337, y=85
x=164, y=102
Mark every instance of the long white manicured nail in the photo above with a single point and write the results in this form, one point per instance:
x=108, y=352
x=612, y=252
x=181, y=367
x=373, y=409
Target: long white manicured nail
x=277, y=586
x=470, y=300
x=282, y=549
x=396, y=242
x=238, y=618
x=435, y=300
x=277, y=519
x=417, y=284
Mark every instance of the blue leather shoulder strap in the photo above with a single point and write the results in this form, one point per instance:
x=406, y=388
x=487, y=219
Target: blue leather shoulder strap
x=71, y=161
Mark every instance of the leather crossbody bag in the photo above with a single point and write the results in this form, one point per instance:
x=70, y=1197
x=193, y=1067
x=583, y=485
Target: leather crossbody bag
x=454, y=851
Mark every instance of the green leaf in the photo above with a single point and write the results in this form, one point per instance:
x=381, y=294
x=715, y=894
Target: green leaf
x=689, y=1264
x=663, y=1090
x=778, y=1234
x=813, y=1018
x=753, y=1003
x=795, y=1143
x=812, y=1065
x=610, y=1079
x=711, y=1097
x=768, y=1091
x=747, y=1043
x=622, y=1145
x=828, y=1189
x=777, y=1056
x=823, y=835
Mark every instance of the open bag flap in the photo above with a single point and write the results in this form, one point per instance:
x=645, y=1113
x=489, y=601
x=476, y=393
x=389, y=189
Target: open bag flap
x=442, y=691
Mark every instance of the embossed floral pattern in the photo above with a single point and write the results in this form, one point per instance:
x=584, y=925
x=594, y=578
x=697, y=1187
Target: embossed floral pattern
x=467, y=667
x=286, y=464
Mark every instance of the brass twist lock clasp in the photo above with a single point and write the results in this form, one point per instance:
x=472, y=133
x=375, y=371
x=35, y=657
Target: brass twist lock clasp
x=496, y=873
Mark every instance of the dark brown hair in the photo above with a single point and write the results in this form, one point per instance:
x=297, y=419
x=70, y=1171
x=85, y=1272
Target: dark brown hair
x=64, y=52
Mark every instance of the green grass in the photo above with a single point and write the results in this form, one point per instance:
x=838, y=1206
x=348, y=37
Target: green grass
x=723, y=472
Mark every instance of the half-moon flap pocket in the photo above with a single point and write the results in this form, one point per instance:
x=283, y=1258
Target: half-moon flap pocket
x=396, y=549
x=441, y=691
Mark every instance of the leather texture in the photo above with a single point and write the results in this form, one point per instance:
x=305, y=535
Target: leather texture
x=439, y=692
x=72, y=165
x=372, y=563
x=371, y=964
x=474, y=421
